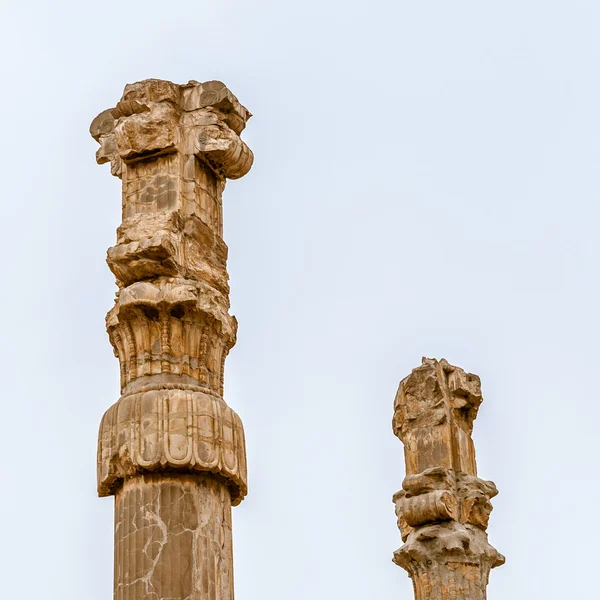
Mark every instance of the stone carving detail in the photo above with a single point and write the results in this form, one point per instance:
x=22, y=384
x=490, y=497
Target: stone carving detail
x=173, y=147
x=443, y=508
x=177, y=327
x=171, y=429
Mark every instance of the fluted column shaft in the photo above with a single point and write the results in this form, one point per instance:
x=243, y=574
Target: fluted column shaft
x=170, y=450
x=182, y=525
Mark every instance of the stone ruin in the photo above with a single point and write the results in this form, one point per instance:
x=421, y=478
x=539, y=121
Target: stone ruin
x=171, y=451
x=443, y=508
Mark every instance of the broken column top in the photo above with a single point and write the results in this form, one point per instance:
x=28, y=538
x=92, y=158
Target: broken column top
x=173, y=146
x=434, y=411
x=155, y=117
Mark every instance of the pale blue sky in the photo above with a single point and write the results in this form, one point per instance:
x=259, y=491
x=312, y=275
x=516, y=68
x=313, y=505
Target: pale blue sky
x=426, y=183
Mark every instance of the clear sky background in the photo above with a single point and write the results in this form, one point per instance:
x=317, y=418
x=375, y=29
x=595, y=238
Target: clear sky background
x=426, y=183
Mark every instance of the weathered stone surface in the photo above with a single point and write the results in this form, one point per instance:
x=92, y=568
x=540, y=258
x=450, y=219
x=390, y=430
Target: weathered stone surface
x=173, y=539
x=171, y=327
x=443, y=508
x=171, y=429
x=171, y=450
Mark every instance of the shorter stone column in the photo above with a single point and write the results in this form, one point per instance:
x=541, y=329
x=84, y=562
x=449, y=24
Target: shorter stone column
x=443, y=508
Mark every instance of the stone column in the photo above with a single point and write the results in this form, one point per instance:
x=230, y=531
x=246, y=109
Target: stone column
x=443, y=507
x=170, y=450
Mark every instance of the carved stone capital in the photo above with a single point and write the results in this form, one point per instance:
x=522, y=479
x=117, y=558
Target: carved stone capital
x=166, y=430
x=173, y=146
x=440, y=494
x=448, y=560
x=157, y=117
x=169, y=244
x=443, y=508
x=180, y=328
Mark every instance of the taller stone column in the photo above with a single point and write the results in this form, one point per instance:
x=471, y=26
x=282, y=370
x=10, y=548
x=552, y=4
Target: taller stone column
x=170, y=450
x=443, y=508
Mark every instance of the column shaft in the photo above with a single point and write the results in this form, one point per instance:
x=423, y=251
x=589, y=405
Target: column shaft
x=173, y=538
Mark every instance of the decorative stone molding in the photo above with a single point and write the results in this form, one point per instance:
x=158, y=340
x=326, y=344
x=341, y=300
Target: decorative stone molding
x=171, y=430
x=179, y=327
x=157, y=117
x=443, y=508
